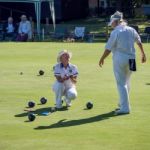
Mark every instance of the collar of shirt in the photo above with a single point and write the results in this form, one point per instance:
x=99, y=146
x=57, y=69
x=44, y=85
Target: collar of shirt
x=119, y=27
x=62, y=66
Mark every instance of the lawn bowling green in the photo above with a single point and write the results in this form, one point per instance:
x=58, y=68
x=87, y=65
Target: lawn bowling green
x=76, y=128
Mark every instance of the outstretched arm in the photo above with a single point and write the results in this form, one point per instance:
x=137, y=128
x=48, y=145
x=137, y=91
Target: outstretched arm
x=105, y=54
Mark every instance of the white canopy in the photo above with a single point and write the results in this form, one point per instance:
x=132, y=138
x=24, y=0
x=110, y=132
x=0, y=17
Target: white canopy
x=37, y=4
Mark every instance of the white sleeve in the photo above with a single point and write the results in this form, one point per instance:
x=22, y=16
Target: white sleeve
x=137, y=37
x=75, y=71
x=111, y=41
x=57, y=70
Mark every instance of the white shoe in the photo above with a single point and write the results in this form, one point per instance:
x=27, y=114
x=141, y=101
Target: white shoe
x=59, y=107
x=68, y=103
x=120, y=112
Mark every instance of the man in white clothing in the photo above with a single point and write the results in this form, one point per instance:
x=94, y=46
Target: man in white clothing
x=24, y=31
x=66, y=78
x=121, y=44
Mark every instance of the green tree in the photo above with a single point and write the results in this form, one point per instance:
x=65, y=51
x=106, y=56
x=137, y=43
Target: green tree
x=129, y=6
x=139, y=3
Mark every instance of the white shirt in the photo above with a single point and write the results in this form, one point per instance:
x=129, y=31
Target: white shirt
x=25, y=27
x=122, y=40
x=10, y=28
x=71, y=70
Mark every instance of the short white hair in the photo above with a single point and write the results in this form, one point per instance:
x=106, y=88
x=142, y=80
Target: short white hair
x=63, y=52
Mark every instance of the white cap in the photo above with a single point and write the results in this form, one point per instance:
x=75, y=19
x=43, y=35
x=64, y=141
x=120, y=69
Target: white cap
x=116, y=16
x=63, y=52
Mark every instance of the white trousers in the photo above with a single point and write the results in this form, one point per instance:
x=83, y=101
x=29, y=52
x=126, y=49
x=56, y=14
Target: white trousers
x=60, y=91
x=122, y=75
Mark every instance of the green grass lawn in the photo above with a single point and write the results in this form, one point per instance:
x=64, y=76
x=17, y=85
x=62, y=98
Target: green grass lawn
x=76, y=128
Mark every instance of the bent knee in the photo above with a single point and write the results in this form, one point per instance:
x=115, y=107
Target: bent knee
x=71, y=95
x=58, y=86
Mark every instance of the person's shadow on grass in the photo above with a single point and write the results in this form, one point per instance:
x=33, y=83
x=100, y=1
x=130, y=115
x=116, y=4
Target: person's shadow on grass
x=64, y=123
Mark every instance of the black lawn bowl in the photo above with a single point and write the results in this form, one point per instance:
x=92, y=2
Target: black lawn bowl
x=89, y=105
x=31, y=104
x=41, y=72
x=43, y=100
x=31, y=117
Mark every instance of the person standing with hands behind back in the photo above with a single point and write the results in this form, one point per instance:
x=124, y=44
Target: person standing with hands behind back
x=121, y=44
